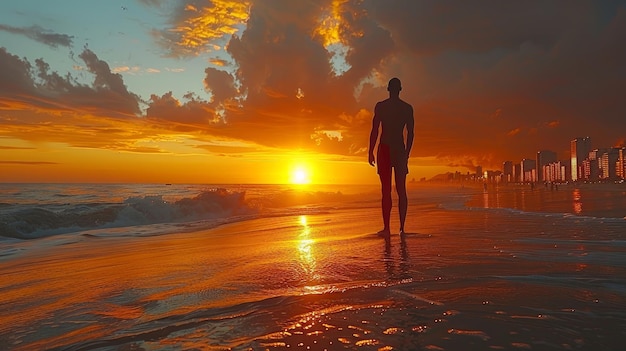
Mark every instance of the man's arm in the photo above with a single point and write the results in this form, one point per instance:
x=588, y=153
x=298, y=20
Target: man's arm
x=410, y=125
x=373, y=135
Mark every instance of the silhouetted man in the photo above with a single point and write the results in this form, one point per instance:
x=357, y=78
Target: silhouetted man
x=394, y=115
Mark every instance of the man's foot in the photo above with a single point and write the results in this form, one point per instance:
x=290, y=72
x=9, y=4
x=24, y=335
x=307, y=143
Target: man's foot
x=384, y=231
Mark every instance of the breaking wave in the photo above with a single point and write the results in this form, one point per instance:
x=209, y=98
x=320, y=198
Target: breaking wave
x=42, y=221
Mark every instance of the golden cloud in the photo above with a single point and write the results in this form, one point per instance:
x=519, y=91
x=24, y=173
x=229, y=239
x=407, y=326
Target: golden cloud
x=208, y=24
x=330, y=26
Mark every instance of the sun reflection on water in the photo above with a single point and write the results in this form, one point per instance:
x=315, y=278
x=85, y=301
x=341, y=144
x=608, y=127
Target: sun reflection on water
x=305, y=245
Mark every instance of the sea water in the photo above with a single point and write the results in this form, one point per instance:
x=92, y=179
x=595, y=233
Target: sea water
x=161, y=267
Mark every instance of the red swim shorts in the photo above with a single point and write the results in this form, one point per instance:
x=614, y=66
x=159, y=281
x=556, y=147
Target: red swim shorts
x=388, y=158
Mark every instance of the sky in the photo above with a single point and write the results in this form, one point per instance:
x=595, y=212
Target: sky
x=280, y=91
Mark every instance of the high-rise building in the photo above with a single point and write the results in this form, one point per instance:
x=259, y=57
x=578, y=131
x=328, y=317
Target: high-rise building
x=608, y=164
x=544, y=157
x=507, y=171
x=592, y=167
x=528, y=171
x=621, y=164
x=579, y=151
x=517, y=173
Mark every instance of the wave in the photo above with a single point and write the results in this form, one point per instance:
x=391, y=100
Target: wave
x=42, y=221
x=157, y=215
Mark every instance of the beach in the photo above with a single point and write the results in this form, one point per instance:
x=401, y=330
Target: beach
x=303, y=269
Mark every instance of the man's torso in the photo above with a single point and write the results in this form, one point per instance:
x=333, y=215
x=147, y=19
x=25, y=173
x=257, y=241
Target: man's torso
x=394, y=115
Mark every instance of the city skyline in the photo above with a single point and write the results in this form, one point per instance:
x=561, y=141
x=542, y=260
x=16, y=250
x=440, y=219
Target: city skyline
x=585, y=162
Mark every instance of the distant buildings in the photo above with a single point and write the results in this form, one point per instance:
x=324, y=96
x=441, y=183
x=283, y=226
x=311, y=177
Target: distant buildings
x=585, y=164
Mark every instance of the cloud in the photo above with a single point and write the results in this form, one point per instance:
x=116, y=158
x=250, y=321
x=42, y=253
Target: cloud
x=41, y=35
x=28, y=163
x=175, y=70
x=3, y=147
x=285, y=74
x=553, y=124
x=221, y=84
x=431, y=28
x=131, y=70
x=120, y=69
x=198, y=25
x=15, y=74
x=192, y=114
x=219, y=62
x=50, y=91
x=514, y=132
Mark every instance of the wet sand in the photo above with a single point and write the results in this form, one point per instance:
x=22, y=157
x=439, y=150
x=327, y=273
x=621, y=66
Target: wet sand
x=460, y=279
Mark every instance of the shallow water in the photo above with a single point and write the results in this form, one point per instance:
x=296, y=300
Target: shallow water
x=462, y=278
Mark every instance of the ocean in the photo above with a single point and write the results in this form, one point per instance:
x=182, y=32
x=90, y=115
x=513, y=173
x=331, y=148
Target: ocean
x=278, y=267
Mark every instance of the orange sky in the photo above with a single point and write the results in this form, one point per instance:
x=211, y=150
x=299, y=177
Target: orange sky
x=249, y=92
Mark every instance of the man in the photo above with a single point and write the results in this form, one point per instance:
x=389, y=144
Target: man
x=394, y=115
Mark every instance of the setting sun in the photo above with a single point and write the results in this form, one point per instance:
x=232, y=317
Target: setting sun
x=300, y=175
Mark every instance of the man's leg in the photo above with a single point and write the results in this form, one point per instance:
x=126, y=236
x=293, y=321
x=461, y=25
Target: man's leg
x=385, y=182
x=400, y=178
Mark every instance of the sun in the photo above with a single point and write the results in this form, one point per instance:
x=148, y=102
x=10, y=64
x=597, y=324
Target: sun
x=300, y=175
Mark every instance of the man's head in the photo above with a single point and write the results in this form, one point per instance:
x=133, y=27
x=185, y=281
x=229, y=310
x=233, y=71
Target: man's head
x=394, y=85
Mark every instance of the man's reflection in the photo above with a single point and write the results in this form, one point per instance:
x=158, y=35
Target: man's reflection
x=390, y=261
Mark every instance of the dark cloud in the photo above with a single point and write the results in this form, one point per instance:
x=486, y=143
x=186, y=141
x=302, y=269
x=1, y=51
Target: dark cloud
x=277, y=58
x=109, y=87
x=189, y=115
x=23, y=85
x=41, y=35
x=369, y=43
x=277, y=52
x=15, y=75
x=221, y=84
x=433, y=27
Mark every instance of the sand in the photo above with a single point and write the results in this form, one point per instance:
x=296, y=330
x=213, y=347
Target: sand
x=469, y=279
